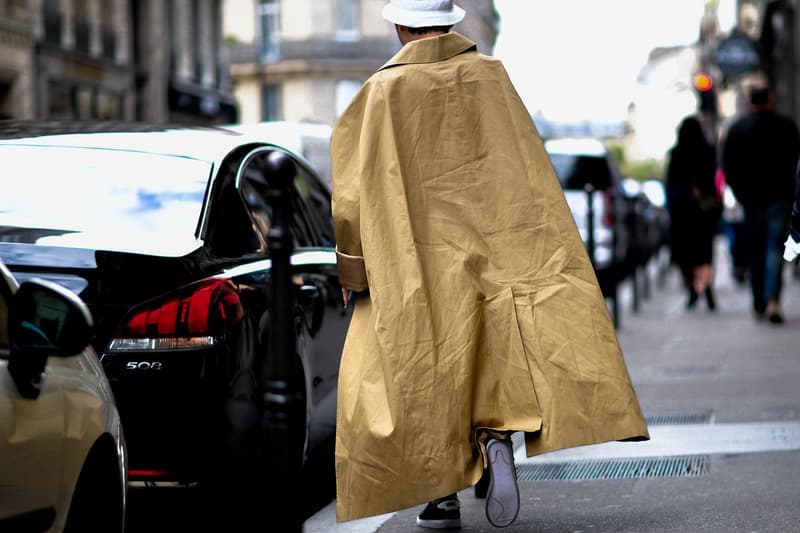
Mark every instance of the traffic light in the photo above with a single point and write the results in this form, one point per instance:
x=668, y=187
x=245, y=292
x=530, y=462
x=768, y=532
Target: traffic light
x=706, y=94
x=703, y=82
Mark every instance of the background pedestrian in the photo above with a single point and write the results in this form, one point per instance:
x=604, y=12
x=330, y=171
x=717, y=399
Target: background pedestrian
x=695, y=206
x=760, y=158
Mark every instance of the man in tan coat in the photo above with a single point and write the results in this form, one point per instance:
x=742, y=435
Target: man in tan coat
x=480, y=313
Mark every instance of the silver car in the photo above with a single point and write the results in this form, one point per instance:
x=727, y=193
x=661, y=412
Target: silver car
x=62, y=451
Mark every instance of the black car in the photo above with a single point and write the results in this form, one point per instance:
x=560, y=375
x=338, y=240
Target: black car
x=164, y=234
x=648, y=223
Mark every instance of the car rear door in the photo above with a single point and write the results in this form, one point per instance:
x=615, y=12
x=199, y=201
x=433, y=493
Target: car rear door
x=318, y=293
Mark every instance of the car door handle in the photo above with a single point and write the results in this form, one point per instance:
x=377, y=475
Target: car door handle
x=310, y=296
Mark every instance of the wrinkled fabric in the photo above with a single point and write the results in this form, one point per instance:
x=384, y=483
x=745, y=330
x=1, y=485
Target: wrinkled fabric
x=483, y=308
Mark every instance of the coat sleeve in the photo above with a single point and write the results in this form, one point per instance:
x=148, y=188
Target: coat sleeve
x=731, y=163
x=346, y=195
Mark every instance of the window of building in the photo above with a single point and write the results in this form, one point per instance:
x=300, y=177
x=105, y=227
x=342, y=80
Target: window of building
x=109, y=106
x=172, y=37
x=60, y=101
x=52, y=21
x=84, y=103
x=7, y=101
x=74, y=101
x=347, y=20
x=199, y=39
x=82, y=29
x=217, y=66
x=108, y=33
x=269, y=18
x=345, y=91
x=271, y=102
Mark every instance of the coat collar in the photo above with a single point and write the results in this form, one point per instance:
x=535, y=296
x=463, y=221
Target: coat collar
x=431, y=50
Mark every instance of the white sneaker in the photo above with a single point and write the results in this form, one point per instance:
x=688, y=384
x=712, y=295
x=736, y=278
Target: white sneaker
x=502, y=498
x=791, y=249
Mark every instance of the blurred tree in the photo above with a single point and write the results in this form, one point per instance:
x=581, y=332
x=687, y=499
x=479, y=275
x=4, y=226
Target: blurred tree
x=640, y=169
x=617, y=152
x=643, y=169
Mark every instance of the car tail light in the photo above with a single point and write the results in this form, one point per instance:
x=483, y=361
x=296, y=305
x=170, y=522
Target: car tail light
x=149, y=474
x=608, y=212
x=196, y=317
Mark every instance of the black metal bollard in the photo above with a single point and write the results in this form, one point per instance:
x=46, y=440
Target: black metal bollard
x=634, y=224
x=590, y=220
x=617, y=268
x=590, y=248
x=284, y=411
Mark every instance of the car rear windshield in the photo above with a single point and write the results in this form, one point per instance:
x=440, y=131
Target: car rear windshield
x=101, y=198
x=577, y=171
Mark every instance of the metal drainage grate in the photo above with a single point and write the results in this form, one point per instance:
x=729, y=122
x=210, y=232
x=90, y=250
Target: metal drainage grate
x=646, y=467
x=687, y=418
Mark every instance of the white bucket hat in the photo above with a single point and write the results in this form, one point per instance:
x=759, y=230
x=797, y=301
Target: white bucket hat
x=423, y=13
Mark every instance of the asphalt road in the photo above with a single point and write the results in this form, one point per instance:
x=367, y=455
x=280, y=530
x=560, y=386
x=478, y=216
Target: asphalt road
x=722, y=396
x=184, y=509
x=720, y=390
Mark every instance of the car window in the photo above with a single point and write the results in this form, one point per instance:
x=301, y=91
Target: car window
x=310, y=207
x=232, y=229
x=577, y=171
x=316, y=202
x=118, y=200
x=318, y=152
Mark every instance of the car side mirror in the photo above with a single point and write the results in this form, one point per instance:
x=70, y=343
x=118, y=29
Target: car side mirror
x=44, y=320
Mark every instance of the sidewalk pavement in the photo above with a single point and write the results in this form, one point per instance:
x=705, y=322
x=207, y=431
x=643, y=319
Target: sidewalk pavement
x=720, y=391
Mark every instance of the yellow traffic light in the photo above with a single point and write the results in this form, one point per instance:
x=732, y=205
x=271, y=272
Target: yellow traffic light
x=702, y=82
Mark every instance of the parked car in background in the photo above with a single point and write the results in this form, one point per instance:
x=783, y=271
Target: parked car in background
x=164, y=233
x=653, y=190
x=583, y=163
x=62, y=450
x=648, y=222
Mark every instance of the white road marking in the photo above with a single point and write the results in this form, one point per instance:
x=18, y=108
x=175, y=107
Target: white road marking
x=685, y=439
x=665, y=441
x=324, y=521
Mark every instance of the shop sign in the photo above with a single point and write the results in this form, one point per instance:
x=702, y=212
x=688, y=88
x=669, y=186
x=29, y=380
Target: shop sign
x=737, y=55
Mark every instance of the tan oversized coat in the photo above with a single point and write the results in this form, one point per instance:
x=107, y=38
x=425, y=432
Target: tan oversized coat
x=483, y=308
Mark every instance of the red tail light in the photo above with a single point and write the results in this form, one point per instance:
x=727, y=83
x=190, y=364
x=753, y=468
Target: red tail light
x=149, y=474
x=196, y=317
x=608, y=212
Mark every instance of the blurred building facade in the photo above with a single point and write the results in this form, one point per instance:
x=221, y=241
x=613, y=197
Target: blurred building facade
x=772, y=28
x=64, y=59
x=779, y=42
x=181, y=66
x=82, y=59
x=304, y=60
x=666, y=92
x=150, y=60
x=16, y=60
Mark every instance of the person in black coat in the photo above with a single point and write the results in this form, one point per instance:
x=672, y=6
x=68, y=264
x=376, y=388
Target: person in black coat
x=695, y=208
x=760, y=160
